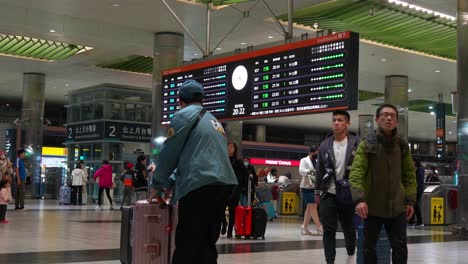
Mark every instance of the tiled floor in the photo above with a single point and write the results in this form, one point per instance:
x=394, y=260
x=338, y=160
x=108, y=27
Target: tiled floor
x=49, y=233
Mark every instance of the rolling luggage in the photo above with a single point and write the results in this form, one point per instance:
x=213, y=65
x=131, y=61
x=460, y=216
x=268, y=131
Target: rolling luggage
x=147, y=234
x=125, y=232
x=259, y=222
x=243, y=218
x=243, y=221
x=269, y=208
x=65, y=195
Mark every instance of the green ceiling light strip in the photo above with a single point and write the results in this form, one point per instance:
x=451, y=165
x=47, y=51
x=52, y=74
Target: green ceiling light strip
x=388, y=22
x=40, y=49
x=368, y=95
x=134, y=64
x=221, y=2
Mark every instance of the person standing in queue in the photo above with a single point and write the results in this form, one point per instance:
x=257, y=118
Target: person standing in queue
x=335, y=157
x=196, y=145
x=383, y=183
x=307, y=169
x=253, y=177
x=238, y=191
x=20, y=178
x=141, y=182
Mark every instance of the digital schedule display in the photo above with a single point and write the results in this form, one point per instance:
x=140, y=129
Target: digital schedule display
x=314, y=75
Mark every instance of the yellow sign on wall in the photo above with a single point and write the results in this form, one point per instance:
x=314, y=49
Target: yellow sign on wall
x=437, y=211
x=289, y=203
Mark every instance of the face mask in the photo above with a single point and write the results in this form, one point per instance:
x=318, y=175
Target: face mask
x=246, y=163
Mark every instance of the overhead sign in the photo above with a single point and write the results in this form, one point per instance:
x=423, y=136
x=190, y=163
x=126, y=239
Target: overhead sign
x=274, y=162
x=314, y=75
x=128, y=132
x=437, y=211
x=440, y=130
x=84, y=132
x=101, y=130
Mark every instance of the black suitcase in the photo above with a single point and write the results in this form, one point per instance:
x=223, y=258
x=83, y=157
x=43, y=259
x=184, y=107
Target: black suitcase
x=125, y=230
x=259, y=222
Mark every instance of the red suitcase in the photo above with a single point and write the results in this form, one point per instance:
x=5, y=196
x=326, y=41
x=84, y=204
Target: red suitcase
x=243, y=221
x=243, y=218
x=153, y=233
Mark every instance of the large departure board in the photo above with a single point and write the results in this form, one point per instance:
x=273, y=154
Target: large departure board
x=314, y=75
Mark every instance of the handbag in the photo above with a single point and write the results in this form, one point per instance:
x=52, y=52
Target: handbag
x=343, y=192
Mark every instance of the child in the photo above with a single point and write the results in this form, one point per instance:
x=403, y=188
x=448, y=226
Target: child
x=4, y=199
x=128, y=177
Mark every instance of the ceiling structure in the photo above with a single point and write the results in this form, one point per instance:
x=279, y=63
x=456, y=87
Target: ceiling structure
x=119, y=30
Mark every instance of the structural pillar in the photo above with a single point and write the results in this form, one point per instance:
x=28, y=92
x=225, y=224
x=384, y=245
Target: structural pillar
x=462, y=114
x=366, y=125
x=234, y=134
x=32, y=121
x=396, y=93
x=168, y=53
x=260, y=133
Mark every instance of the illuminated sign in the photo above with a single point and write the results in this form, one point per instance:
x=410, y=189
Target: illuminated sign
x=274, y=162
x=53, y=151
x=314, y=75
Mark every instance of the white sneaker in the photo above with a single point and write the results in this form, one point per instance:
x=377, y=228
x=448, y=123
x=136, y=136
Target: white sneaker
x=98, y=207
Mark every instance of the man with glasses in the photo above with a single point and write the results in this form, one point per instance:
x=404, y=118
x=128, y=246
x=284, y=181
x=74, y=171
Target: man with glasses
x=383, y=184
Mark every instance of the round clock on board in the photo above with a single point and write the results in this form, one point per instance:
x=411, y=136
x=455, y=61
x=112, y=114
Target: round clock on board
x=239, y=77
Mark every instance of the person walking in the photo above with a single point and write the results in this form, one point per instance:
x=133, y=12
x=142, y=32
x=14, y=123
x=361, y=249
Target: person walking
x=383, y=183
x=308, y=172
x=196, y=145
x=335, y=157
x=105, y=182
x=419, y=192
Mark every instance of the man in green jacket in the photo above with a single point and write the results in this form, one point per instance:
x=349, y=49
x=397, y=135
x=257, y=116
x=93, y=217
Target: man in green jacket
x=383, y=184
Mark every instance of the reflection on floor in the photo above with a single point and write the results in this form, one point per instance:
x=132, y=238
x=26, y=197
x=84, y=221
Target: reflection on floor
x=49, y=233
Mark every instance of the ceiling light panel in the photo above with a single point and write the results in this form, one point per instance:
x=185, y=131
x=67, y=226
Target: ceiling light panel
x=39, y=49
x=394, y=23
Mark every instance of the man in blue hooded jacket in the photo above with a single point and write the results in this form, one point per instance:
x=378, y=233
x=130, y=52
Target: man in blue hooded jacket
x=196, y=145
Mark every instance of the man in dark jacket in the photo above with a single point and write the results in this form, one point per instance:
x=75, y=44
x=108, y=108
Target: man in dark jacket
x=141, y=183
x=383, y=184
x=334, y=163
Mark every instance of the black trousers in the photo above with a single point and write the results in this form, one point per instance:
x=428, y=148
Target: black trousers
x=417, y=211
x=20, y=191
x=77, y=191
x=3, y=209
x=330, y=213
x=100, y=195
x=396, y=231
x=200, y=215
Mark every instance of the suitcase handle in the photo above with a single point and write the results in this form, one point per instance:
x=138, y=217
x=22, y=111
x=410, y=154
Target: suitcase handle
x=151, y=218
x=153, y=248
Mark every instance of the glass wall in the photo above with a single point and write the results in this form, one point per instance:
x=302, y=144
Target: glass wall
x=108, y=102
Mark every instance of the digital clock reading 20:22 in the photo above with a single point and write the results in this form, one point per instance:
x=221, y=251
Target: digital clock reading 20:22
x=314, y=75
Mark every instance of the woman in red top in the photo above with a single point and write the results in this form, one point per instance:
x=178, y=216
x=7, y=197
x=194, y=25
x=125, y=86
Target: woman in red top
x=105, y=182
